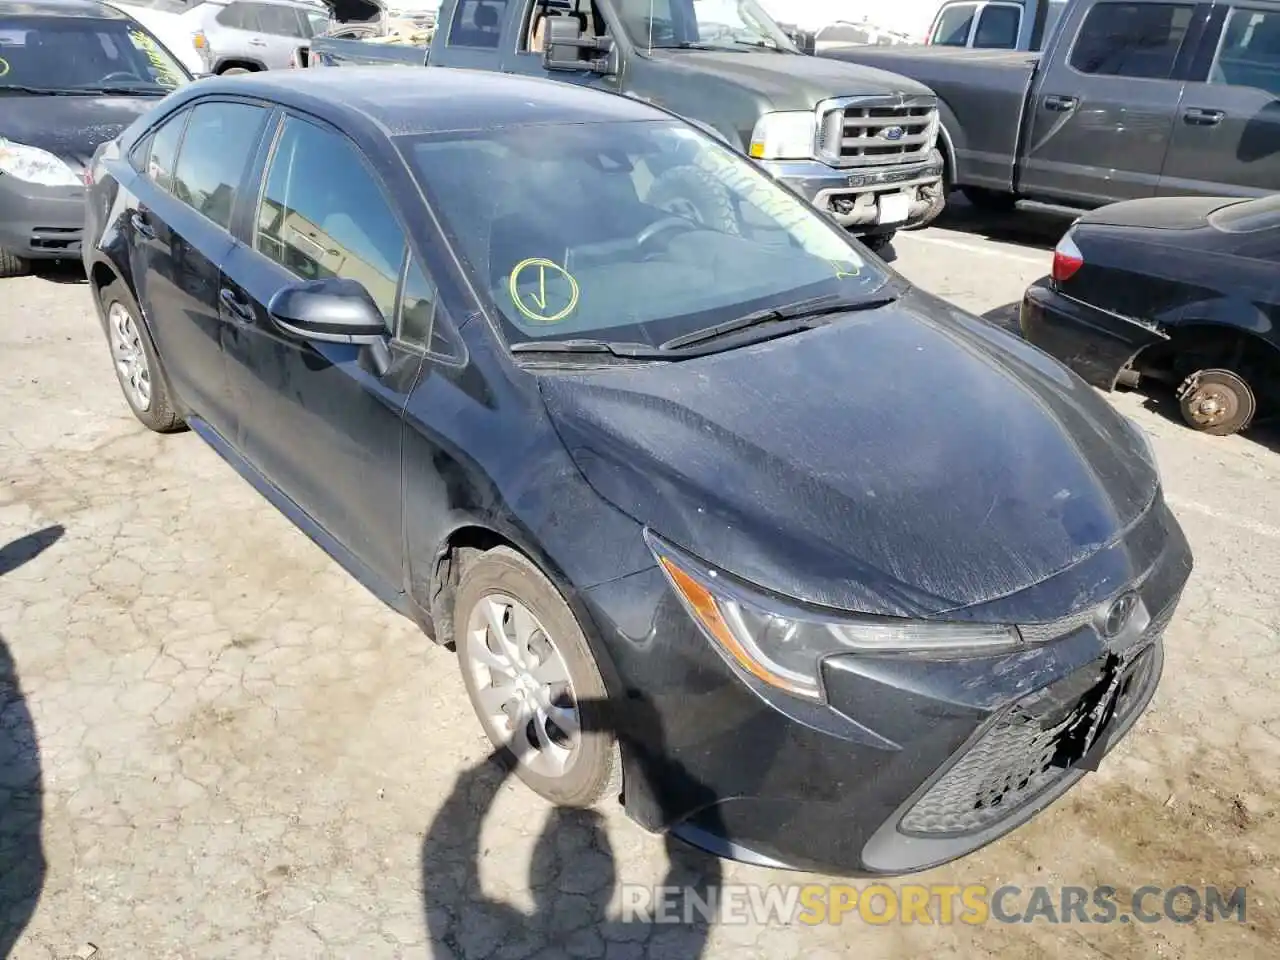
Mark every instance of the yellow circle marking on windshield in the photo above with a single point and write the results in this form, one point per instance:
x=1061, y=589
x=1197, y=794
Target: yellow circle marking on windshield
x=549, y=308
x=845, y=271
x=4, y=66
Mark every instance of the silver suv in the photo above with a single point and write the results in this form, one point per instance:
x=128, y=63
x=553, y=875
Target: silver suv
x=243, y=36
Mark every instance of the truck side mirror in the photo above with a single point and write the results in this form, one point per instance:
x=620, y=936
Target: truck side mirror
x=566, y=49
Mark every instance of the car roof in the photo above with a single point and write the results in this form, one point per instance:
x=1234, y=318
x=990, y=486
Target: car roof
x=431, y=99
x=61, y=8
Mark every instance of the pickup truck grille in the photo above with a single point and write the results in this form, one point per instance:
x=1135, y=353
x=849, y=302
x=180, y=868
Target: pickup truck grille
x=875, y=131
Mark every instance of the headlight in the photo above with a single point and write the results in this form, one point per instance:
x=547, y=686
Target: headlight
x=783, y=645
x=783, y=136
x=35, y=165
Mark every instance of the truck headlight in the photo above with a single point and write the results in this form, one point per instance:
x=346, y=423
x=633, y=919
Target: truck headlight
x=783, y=136
x=784, y=645
x=35, y=165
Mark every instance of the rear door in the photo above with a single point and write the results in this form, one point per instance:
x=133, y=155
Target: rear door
x=195, y=167
x=1104, y=108
x=1226, y=140
x=322, y=421
x=281, y=33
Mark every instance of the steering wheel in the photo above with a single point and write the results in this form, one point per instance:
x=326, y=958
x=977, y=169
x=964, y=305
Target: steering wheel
x=662, y=226
x=121, y=75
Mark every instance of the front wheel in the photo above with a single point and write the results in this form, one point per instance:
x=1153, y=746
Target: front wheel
x=1216, y=402
x=990, y=201
x=533, y=681
x=12, y=265
x=879, y=243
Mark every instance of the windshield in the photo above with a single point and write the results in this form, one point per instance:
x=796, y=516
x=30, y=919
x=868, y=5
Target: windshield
x=633, y=232
x=84, y=53
x=665, y=24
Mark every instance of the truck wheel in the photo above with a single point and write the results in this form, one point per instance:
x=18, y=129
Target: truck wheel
x=691, y=192
x=990, y=201
x=533, y=681
x=12, y=265
x=1216, y=402
x=937, y=198
x=879, y=243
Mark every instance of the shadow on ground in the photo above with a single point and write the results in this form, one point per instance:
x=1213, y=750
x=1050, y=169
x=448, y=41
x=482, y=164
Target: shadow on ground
x=1027, y=226
x=22, y=863
x=59, y=271
x=572, y=874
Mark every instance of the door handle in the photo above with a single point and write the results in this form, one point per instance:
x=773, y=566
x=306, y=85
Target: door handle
x=255, y=42
x=141, y=227
x=240, y=310
x=1059, y=103
x=1202, y=118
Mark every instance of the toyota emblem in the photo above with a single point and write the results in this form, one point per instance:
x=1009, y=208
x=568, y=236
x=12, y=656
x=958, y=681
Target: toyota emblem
x=1118, y=615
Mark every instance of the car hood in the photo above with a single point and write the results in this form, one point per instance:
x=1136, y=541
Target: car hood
x=70, y=128
x=1158, y=213
x=905, y=53
x=907, y=461
x=789, y=81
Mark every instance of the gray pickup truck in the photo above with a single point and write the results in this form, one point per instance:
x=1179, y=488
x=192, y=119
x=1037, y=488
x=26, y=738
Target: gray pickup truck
x=858, y=143
x=1129, y=99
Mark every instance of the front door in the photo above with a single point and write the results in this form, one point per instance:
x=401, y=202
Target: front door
x=1101, y=117
x=181, y=224
x=1226, y=140
x=322, y=421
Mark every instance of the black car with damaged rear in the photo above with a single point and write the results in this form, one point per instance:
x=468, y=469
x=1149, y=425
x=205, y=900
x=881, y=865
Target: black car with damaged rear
x=1179, y=291
x=73, y=74
x=617, y=457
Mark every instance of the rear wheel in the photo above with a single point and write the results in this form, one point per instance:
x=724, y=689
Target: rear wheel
x=990, y=201
x=1217, y=402
x=533, y=681
x=136, y=364
x=234, y=70
x=12, y=265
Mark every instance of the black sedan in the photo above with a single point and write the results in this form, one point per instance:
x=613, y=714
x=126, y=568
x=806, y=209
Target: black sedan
x=1179, y=290
x=829, y=573
x=73, y=74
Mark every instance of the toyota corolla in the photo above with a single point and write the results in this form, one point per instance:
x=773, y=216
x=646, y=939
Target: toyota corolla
x=720, y=513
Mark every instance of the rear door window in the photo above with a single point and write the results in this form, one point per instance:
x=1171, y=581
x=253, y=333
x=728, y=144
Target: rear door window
x=279, y=20
x=1249, y=55
x=1131, y=39
x=221, y=136
x=998, y=27
x=240, y=16
x=477, y=23
x=953, y=26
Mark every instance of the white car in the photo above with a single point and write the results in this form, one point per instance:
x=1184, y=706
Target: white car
x=167, y=19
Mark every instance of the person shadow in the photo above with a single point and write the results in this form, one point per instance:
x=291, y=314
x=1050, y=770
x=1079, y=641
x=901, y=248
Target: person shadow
x=572, y=872
x=22, y=862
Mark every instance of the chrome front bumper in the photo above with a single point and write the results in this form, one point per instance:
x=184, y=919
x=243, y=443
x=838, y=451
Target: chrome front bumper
x=852, y=195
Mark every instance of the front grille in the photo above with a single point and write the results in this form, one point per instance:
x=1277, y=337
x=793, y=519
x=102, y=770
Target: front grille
x=874, y=131
x=1034, y=744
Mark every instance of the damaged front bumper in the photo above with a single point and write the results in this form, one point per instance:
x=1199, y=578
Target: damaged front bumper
x=866, y=200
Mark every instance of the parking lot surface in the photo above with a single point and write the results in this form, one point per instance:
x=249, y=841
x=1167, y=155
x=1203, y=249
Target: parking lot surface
x=214, y=743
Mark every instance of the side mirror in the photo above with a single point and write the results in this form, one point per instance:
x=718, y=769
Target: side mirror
x=333, y=310
x=564, y=46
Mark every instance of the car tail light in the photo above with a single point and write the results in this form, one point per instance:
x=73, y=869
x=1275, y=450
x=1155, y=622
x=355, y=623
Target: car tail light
x=1067, y=259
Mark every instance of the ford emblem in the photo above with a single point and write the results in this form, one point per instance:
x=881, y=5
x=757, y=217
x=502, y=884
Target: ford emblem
x=892, y=133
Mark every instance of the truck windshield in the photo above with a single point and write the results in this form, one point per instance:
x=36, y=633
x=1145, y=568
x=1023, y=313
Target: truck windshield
x=83, y=55
x=627, y=232
x=675, y=24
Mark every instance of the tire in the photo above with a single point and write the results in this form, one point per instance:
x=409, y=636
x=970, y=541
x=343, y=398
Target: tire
x=12, y=265
x=498, y=581
x=937, y=202
x=232, y=71
x=130, y=345
x=990, y=201
x=879, y=243
x=692, y=192
x=1216, y=402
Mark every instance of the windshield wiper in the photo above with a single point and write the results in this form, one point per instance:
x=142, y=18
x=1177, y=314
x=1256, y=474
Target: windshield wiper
x=617, y=349
x=146, y=91
x=795, y=316
x=44, y=91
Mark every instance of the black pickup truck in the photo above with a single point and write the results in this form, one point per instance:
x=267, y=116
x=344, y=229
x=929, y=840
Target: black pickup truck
x=1129, y=99
x=856, y=142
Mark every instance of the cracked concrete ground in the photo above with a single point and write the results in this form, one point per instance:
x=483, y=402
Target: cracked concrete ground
x=225, y=747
